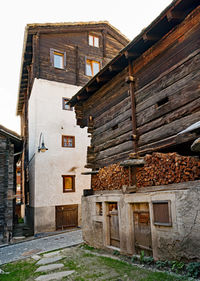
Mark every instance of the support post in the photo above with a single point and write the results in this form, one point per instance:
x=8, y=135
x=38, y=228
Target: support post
x=133, y=108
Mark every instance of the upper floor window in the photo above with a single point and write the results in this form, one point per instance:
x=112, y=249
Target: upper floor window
x=58, y=58
x=68, y=141
x=92, y=67
x=68, y=183
x=93, y=40
x=66, y=106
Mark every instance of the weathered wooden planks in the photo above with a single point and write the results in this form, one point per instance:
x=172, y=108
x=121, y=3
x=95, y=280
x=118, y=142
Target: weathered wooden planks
x=75, y=45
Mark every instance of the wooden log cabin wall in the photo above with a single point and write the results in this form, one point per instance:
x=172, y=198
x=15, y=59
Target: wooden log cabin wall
x=165, y=82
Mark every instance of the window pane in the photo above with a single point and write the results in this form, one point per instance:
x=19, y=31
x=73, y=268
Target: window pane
x=58, y=61
x=96, y=67
x=68, y=141
x=90, y=40
x=96, y=41
x=88, y=69
x=68, y=183
x=66, y=105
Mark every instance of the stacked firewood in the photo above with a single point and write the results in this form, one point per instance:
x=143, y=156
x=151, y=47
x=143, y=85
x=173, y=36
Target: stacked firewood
x=110, y=178
x=163, y=169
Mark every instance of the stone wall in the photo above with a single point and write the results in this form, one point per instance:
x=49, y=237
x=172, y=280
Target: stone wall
x=177, y=241
x=6, y=189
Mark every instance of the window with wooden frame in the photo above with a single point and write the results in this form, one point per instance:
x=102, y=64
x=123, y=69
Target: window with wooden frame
x=93, y=40
x=68, y=141
x=65, y=104
x=162, y=213
x=92, y=67
x=68, y=183
x=58, y=59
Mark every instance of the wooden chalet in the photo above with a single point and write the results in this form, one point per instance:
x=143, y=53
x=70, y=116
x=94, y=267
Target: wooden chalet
x=137, y=109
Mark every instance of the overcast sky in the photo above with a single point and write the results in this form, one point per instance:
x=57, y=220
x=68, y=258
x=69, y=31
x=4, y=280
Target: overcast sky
x=129, y=16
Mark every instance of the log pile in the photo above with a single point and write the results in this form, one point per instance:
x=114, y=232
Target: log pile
x=163, y=169
x=159, y=169
x=112, y=177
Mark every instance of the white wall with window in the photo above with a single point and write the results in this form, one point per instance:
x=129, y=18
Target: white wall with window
x=46, y=115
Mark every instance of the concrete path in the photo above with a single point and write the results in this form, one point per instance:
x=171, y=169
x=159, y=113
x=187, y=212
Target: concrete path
x=26, y=249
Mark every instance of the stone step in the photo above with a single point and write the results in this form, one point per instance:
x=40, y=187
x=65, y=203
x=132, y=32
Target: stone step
x=49, y=267
x=44, y=261
x=54, y=276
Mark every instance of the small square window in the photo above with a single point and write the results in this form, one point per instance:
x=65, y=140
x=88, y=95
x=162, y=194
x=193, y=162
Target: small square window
x=66, y=106
x=58, y=59
x=68, y=141
x=93, y=41
x=92, y=67
x=162, y=213
x=18, y=187
x=68, y=183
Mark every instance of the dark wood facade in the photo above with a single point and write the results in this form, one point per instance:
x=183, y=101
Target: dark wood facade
x=71, y=39
x=10, y=143
x=148, y=93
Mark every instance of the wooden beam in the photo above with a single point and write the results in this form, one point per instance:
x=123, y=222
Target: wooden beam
x=171, y=15
x=77, y=65
x=102, y=79
x=133, y=162
x=80, y=98
x=133, y=108
x=90, y=89
x=104, y=41
x=131, y=55
x=153, y=38
x=114, y=68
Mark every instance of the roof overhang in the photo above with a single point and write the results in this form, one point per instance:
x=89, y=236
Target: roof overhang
x=173, y=15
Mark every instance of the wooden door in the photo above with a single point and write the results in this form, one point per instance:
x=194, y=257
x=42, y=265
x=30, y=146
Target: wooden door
x=66, y=216
x=142, y=228
x=114, y=225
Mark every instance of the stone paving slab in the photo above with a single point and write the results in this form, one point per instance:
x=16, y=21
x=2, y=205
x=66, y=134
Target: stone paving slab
x=49, y=267
x=36, y=257
x=25, y=249
x=48, y=255
x=54, y=276
x=49, y=260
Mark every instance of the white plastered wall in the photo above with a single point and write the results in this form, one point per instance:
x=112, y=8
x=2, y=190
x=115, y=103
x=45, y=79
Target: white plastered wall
x=46, y=116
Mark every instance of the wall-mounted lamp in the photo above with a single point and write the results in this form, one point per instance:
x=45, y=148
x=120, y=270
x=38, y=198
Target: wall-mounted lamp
x=41, y=147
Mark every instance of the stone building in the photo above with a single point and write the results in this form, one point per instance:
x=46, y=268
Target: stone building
x=10, y=147
x=145, y=177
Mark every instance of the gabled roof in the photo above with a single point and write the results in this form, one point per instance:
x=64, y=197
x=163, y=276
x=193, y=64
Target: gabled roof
x=173, y=15
x=64, y=27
